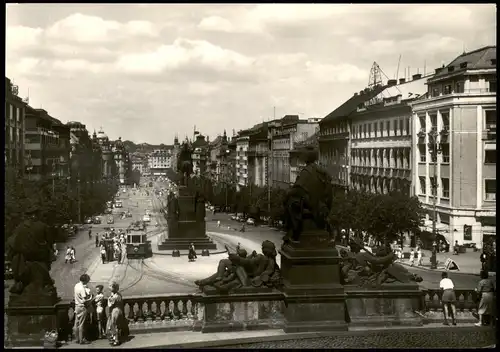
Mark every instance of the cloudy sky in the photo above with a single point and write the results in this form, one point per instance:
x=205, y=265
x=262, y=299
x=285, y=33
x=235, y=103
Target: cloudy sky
x=145, y=72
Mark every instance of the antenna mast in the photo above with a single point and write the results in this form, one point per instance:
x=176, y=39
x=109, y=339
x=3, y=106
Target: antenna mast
x=375, y=76
x=397, y=71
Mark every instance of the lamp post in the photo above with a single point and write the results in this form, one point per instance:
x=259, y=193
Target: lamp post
x=434, y=150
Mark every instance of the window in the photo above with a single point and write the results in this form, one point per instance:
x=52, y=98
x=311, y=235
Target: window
x=369, y=130
x=474, y=78
x=433, y=186
x=388, y=127
x=396, y=127
x=433, y=118
x=375, y=129
x=445, y=152
x=447, y=89
x=407, y=126
x=491, y=119
x=445, y=119
x=364, y=131
x=435, y=92
x=490, y=156
x=459, y=87
x=490, y=189
x=423, y=125
x=422, y=152
x=493, y=86
x=401, y=127
x=422, y=184
x=445, y=187
x=381, y=124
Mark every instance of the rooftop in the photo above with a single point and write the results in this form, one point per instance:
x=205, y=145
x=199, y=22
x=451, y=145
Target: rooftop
x=482, y=58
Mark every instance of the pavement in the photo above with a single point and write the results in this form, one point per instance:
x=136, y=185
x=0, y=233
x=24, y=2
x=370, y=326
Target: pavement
x=192, y=339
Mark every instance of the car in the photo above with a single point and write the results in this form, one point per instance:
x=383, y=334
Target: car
x=8, y=274
x=250, y=221
x=110, y=220
x=89, y=220
x=128, y=214
x=234, y=217
x=148, y=212
x=97, y=220
x=108, y=211
x=146, y=218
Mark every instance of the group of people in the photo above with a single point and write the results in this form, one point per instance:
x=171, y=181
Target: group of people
x=91, y=322
x=416, y=255
x=111, y=245
x=486, y=295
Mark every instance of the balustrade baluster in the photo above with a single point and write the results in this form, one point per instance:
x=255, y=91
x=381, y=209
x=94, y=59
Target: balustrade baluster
x=131, y=315
x=461, y=300
x=189, y=308
x=176, y=312
x=163, y=310
x=140, y=313
x=171, y=306
x=146, y=308
x=155, y=311
x=183, y=308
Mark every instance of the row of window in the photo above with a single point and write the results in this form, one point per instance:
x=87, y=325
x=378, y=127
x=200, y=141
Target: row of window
x=490, y=85
x=490, y=187
x=384, y=157
x=379, y=184
x=388, y=128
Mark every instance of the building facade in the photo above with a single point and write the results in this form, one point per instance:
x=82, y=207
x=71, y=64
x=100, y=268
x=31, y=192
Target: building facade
x=381, y=158
x=457, y=119
x=334, y=138
x=47, y=145
x=160, y=160
x=296, y=163
x=14, y=127
x=109, y=167
x=122, y=161
x=200, y=156
x=241, y=160
x=283, y=135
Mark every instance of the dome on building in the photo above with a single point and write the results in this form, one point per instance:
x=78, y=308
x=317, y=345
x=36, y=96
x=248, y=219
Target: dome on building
x=101, y=134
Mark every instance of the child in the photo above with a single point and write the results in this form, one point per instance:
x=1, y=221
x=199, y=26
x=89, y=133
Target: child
x=419, y=256
x=99, y=302
x=412, y=257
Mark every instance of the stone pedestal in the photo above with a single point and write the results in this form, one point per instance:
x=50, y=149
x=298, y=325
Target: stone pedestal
x=314, y=297
x=26, y=326
x=189, y=227
x=387, y=305
x=245, y=309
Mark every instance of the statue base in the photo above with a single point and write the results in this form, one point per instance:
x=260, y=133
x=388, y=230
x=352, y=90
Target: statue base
x=26, y=326
x=314, y=297
x=259, y=309
x=387, y=305
x=183, y=244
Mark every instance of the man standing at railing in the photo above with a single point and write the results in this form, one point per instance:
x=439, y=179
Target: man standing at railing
x=83, y=307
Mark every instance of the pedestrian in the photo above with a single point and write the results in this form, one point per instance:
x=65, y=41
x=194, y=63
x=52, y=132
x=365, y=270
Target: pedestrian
x=448, y=298
x=486, y=291
x=54, y=248
x=419, y=256
x=97, y=240
x=192, y=253
x=218, y=223
x=100, y=315
x=412, y=257
x=455, y=248
x=83, y=309
x=103, y=253
x=238, y=247
x=484, y=259
x=90, y=234
x=73, y=255
x=68, y=255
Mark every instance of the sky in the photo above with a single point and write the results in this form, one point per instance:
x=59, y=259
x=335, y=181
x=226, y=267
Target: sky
x=148, y=72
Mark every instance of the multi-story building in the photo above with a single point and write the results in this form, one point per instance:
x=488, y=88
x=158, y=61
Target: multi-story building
x=122, y=161
x=109, y=167
x=457, y=118
x=140, y=164
x=251, y=154
x=160, y=160
x=85, y=153
x=47, y=145
x=334, y=137
x=175, y=153
x=14, y=127
x=381, y=138
x=283, y=134
x=213, y=161
x=296, y=163
x=200, y=156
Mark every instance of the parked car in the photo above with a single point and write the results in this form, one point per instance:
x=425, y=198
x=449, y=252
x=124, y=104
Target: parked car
x=110, y=220
x=89, y=220
x=97, y=220
x=250, y=221
x=234, y=217
x=128, y=215
x=108, y=211
x=146, y=218
x=8, y=275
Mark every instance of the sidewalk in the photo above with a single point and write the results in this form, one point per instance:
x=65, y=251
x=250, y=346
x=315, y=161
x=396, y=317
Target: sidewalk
x=191, y=339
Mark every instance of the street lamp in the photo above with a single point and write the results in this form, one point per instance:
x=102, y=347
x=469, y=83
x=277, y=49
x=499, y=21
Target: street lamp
x=434, y=150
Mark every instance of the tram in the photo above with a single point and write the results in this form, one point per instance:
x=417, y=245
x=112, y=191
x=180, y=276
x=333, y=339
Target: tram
x=138, y=246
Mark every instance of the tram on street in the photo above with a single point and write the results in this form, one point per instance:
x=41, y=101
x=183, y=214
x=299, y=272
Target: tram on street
x=138, y=246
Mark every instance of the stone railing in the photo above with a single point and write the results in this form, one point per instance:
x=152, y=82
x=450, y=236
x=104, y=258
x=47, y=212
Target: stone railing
x=151, y=313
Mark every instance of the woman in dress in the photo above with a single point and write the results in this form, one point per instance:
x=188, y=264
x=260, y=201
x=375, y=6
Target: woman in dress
x=419, y=256
x=486, y=290
x=117, y=326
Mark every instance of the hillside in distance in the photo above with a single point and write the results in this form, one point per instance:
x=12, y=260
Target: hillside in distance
x=142, y=147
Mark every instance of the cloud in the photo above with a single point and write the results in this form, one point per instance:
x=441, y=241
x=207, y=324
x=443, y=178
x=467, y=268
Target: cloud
x=164, y=68
x=181, y=53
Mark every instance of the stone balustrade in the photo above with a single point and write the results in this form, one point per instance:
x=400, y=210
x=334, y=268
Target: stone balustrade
x=151, y=313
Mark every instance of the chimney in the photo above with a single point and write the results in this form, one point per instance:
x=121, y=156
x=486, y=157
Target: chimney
x=402, y=80
x=355, y=94
x=416, y=76
x=360, y=92
x=392, y=82
x=366, y=90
